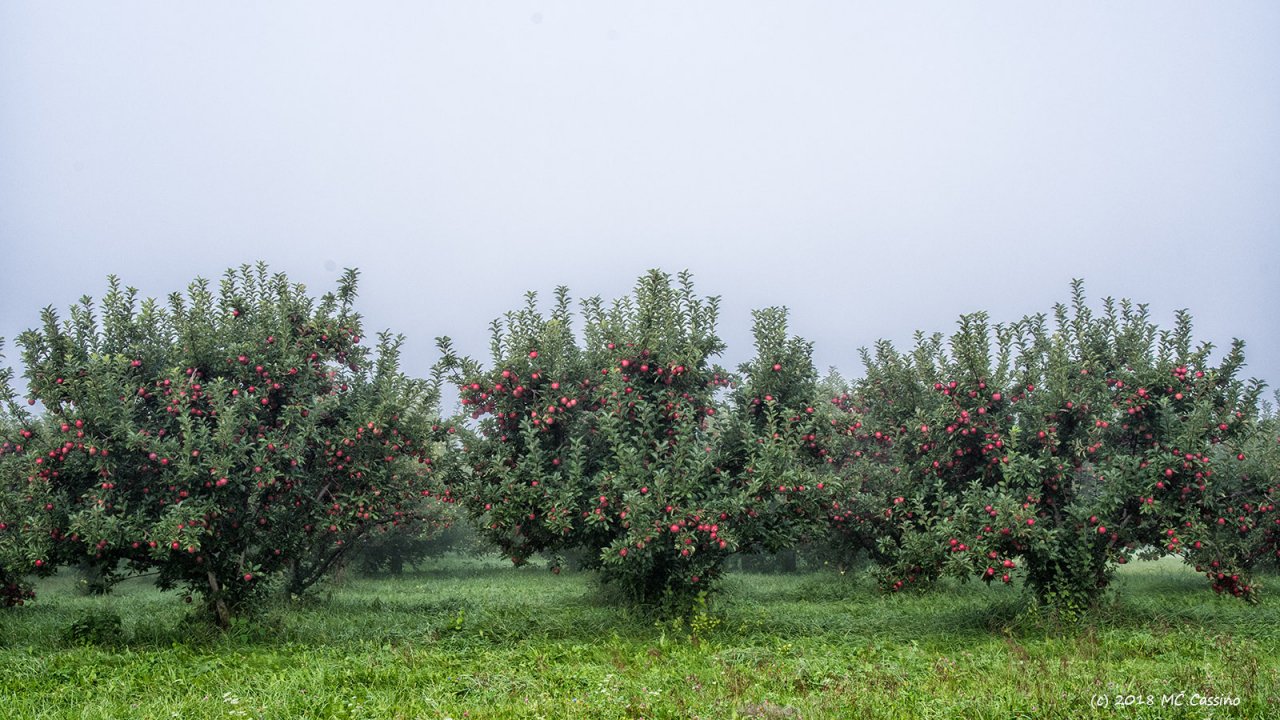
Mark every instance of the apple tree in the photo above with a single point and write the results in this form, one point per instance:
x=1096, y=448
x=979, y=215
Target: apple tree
x=869, y=420
x=1054, y=454
x=223, y=438
x=616, y=446
x=1237, y=529
x=778, y=440
x=26, y=525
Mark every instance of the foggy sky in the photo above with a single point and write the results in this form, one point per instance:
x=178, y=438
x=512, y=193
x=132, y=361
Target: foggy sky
x=877, y=167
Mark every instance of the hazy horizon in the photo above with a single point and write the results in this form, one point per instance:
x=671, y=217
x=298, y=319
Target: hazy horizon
x=879, y=169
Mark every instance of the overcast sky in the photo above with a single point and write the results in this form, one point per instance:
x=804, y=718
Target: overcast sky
x=878, y=167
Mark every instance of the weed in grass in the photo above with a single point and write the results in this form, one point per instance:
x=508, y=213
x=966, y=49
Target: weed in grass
x=96, y=627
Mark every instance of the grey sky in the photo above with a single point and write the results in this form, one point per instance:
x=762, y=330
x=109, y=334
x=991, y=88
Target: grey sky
x=878, y=167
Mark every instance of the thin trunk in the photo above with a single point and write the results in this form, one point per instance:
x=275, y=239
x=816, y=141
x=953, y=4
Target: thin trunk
x=222, y=613
x=300, y=582
x=787, y=559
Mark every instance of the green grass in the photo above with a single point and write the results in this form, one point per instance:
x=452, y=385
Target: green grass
x=468, y=639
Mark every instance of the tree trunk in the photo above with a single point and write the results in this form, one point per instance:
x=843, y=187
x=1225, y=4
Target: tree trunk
x=92, y=579
x=218, y=603
x=788, y=560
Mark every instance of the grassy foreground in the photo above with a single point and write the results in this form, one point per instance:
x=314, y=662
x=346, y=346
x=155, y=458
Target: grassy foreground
x=467, y=639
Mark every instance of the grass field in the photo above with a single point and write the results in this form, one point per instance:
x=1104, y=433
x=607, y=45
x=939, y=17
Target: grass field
x=470, y=639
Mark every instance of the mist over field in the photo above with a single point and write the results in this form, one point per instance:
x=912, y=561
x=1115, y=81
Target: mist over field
x=879, y=168
x=266, y=514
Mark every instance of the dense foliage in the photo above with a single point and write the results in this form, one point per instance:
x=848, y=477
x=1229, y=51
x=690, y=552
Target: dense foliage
x=221, y=439
x=621, y=446
x=234, y=439
x=25, y=528
x=1060, y=450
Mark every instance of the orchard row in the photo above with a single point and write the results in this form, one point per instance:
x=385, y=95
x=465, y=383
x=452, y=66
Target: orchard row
x=226, y=439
